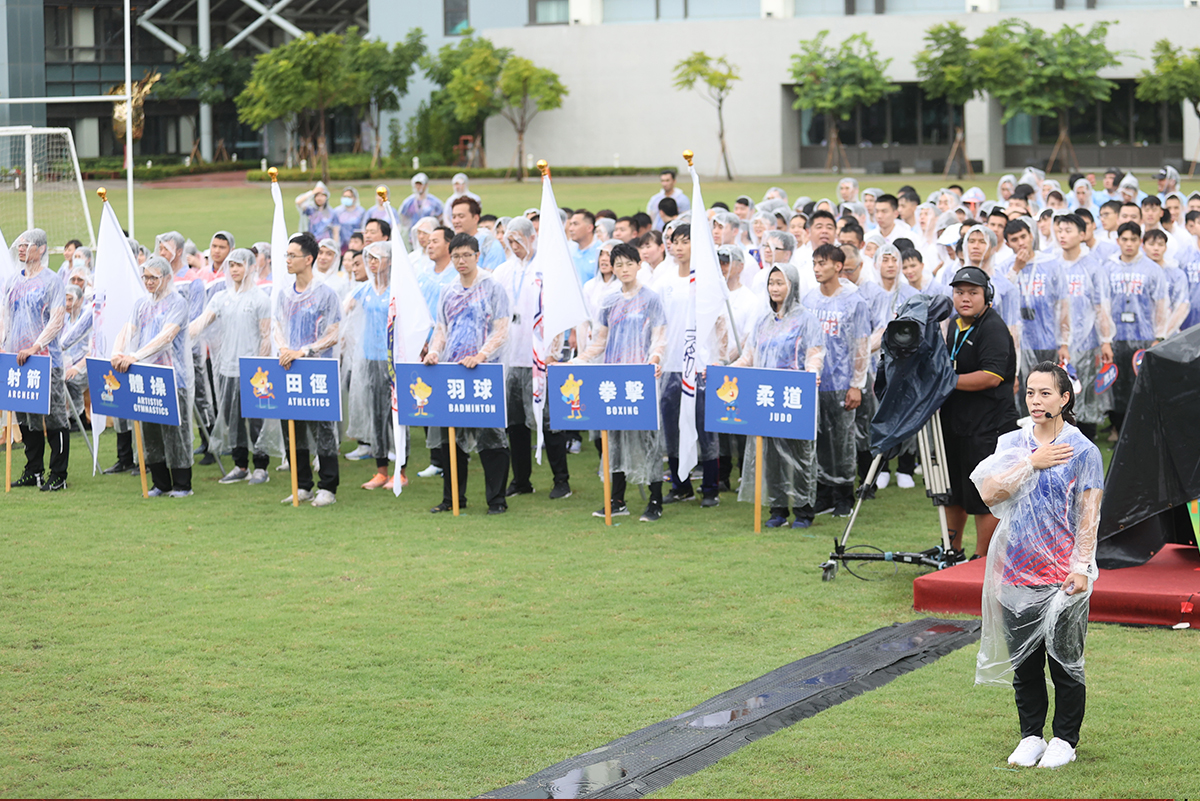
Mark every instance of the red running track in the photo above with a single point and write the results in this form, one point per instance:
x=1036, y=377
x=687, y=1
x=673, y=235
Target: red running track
x=1163, y=592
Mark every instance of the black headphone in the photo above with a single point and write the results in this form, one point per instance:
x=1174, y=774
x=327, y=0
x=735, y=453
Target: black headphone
x=989, y=291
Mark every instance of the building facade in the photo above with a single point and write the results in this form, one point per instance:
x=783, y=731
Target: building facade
x=616, y=58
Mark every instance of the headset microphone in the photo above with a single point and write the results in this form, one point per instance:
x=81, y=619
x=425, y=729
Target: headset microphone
x=1049, y=415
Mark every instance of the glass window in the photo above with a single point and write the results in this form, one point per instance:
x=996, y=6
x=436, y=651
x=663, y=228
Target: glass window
x=629, y=10
x=456, y=17
x=905, y=104
x=820, y=8
x=550, y=12
x=57, y=22
x=724, y=9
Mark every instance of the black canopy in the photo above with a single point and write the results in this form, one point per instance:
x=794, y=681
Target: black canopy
x=1155, y=470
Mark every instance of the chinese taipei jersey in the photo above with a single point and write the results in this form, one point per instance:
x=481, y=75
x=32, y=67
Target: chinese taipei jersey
x=469, y=315
x=1040, y=287
x=1136, y=291
x=845, y=322
x=150, y=317
x=1086, y=284
x=631, y=322
x=304, y=317
x=1190, y=265
x=29, y=305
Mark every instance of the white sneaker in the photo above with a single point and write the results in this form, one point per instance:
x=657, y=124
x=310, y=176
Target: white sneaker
x=234, y=476
x=430, y=472
x=305, y=495
x=575, y=447
x=259, y=476
x=918, y=471
x=359, y=453
x=1058, y=753
x=324, y=498
x=284, y=465
x=1028, y=752
x=905, y=481
x=883, y=480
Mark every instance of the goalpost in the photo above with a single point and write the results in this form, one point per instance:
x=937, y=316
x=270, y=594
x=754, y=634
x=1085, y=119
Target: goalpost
x=42, y=186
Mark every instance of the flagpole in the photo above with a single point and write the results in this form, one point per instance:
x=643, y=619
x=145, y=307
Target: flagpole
x=758, y=470
x=453, y=471
x=292, y=463
x=137, y=432
x=8, y=439
x=607, y=479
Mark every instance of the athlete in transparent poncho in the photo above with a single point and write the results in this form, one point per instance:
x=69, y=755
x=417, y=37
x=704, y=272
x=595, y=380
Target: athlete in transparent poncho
x=1045, y=485
x=304, y=324
x=788, y=337
x=31, y=318
x=74, y=338
x=157, y=333
x=472, y=328
x=237, y=323
x=370, y=398
x=631, y=329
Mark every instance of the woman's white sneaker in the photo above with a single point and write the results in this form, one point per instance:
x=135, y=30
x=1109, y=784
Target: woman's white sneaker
x=882, y=480
x=1028, y=752
x=1058, y=753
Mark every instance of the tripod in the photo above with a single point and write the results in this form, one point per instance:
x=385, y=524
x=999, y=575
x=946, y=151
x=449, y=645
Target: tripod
x=869, y=563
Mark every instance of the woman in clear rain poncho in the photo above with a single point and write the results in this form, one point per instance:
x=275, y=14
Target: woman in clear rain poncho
x=316, y=215
x=237, y=323
x=1045, y=485
x=157, y=333
x=632, y=330
x=328, y=268
x=31, y=318
x=74, y=339
x=786, y=338
x=348, y=217
x=370, y=377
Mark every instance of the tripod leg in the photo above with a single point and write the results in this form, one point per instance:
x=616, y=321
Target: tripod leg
x=867, y=482
x=79, y=422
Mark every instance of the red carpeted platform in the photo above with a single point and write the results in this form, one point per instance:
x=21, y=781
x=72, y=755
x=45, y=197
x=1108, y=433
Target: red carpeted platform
x=1163, y=592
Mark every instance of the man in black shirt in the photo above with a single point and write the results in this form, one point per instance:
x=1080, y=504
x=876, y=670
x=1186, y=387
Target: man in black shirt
x=981, y=408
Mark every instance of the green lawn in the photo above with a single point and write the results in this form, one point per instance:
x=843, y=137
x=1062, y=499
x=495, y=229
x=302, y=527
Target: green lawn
x=246, y=210
x=226, y=645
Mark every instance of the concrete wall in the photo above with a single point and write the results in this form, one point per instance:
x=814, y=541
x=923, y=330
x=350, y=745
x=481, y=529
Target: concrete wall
x=619, y=77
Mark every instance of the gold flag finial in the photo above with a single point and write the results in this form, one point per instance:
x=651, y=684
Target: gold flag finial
x=543, y=167
x=274, y=173
x=381, y=192
x=687, y=156
x=103, y=193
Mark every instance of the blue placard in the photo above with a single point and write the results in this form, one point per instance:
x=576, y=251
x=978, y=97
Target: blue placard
x=146, y=392
x=759, y=402
x=311, y=389
x=451, y=395
x=602, y=397
x=26, y=386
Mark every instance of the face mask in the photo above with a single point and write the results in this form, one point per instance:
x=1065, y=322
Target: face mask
x=78, y=261
x=347, y=202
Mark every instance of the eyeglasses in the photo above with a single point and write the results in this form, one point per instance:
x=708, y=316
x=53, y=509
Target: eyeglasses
x=293, y=255
x=147, y=278
x=461, y=256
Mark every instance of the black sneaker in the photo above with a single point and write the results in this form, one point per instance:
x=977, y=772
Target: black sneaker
x=120, y=467
x=442, y=507
x=497, y=510
x=675, y=496
x=208, y=459
x=54, y=484
x=652, y=514
x=513, y=489
x=710, y=502
x=618, y=510
x=823, y=510
x=867, y=493
x=29, y=480
x=560, y=491
x=724, y=486
x=842, y=510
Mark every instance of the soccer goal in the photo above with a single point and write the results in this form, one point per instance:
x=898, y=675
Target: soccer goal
x=41, y=186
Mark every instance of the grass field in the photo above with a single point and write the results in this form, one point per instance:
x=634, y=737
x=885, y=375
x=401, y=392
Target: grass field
x=226, y=645
x=246, y=210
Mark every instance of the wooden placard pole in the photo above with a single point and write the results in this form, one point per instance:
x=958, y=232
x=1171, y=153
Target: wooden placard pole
x=607, y=478
x=137, y=434
x=8, y=439
x=292, y=463
x=453, y=472
x=758, y=468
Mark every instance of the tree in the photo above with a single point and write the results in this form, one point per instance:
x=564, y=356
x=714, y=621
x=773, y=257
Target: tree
x=310, y=74
x=718, y=77
x=486, y=61
x=520, y=91
x=948, y=68
x=383, y=77
x=1175, y=78
x=836, y=82
x=1033, y=72
x=211, y=80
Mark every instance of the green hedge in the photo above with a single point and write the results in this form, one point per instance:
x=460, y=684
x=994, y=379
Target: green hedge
x=343, y=174
x=143, y=173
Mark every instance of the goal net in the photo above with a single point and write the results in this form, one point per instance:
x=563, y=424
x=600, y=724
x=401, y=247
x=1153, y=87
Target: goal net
x=41, y=186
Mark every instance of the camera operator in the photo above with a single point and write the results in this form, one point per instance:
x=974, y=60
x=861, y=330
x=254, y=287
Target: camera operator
x=981, y=407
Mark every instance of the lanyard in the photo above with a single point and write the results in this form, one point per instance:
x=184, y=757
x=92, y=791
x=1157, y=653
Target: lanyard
x=959, y=339
x=520, y=288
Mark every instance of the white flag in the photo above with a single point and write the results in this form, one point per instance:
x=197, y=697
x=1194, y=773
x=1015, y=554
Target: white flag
x=280, y=280
x=707, y=299
x=560, y=305
x=6, y=268
x=408, y=329
x=117, y=286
